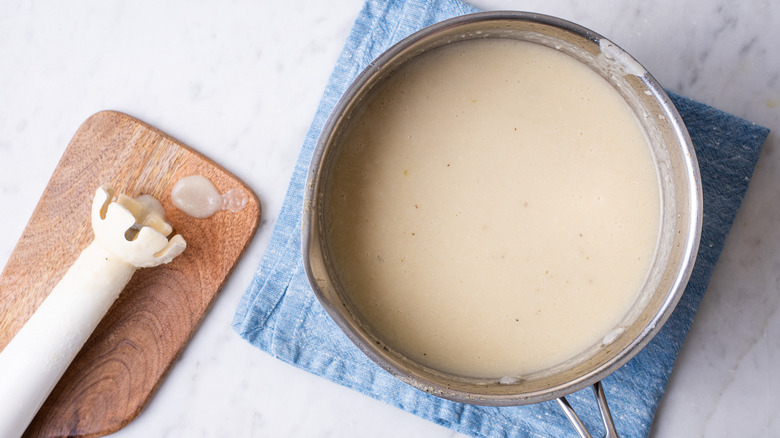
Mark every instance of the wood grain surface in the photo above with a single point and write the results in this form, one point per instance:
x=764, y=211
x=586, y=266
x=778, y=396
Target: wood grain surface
x=123, y=362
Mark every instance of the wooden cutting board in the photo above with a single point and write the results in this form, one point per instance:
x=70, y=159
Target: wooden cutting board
x=135, y=345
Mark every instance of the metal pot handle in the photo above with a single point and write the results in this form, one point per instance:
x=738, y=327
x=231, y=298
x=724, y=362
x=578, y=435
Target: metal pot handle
x=606, y=416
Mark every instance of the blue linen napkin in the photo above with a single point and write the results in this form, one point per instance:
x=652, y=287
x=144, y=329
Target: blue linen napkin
x=279, y=313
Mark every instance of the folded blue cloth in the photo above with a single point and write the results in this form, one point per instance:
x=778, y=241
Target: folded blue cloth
x=280, y=314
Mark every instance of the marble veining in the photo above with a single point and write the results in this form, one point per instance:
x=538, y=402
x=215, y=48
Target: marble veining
x=240, y=82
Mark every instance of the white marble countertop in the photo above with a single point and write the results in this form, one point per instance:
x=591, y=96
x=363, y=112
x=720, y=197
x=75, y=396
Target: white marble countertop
x=240, y=81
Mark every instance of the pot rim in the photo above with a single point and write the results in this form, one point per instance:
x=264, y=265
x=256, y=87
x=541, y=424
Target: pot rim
x=312, y=250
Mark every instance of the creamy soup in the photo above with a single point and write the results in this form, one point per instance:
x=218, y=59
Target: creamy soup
x=494, y=209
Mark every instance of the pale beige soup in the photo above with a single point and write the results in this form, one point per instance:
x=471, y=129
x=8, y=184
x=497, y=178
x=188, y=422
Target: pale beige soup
x=495, y=209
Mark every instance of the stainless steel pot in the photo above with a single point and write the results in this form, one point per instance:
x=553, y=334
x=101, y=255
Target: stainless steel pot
x=679, y=235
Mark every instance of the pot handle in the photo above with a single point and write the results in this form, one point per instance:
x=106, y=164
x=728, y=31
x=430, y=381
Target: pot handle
x=606, y=416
